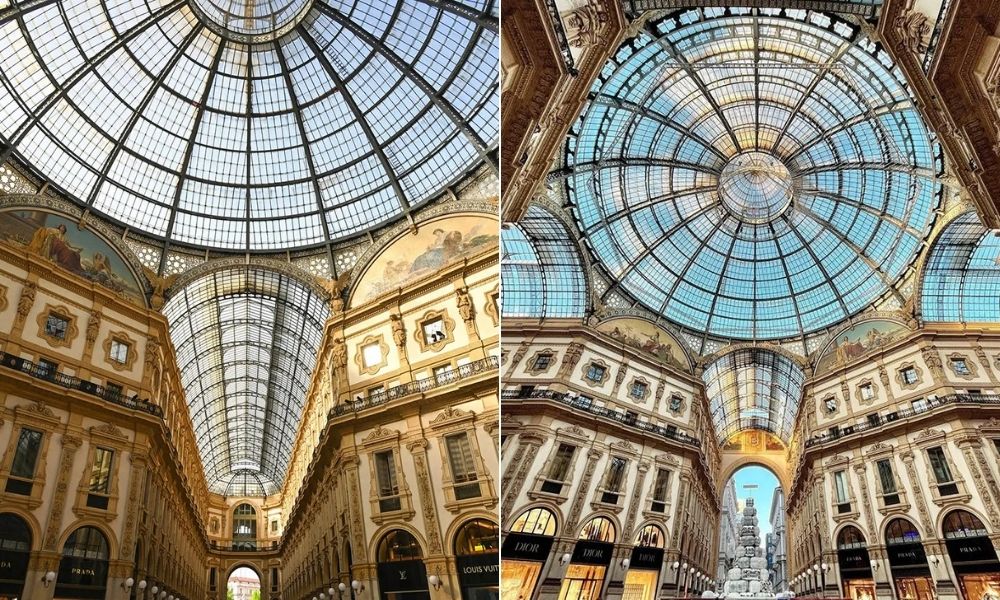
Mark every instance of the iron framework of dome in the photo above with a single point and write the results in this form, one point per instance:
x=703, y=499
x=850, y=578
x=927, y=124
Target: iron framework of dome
x=247, y=340
x=752, y=174
x=250, y=126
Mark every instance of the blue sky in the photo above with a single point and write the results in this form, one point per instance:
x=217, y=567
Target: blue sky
x=765, y=482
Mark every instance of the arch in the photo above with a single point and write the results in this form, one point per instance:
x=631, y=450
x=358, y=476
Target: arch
x=83, y=564
x=384, y=530
x=240, y=564
x=599, y=528
x=488, y=533
x=537, y=520
x=647, y=336
x=397, y=545
x=651, y=535
x=962, y=522
x=849, y=536
x=109, y=535
x=901, y=529
x=775, y=464
x=960, y=274
x=541, y=269
x=34, y=531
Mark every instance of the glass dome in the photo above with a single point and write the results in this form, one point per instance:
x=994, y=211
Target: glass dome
x=250, y=126
x=752, y=174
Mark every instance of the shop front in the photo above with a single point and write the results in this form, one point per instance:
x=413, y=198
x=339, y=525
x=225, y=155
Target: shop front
x=645, y=563
x=972, y=555
x=15, y=554
x=855, y=565
x=907, y=561
x=83, y=569
x=525, y=549
x=589, y=563
x=401, y=571
x=477, y=558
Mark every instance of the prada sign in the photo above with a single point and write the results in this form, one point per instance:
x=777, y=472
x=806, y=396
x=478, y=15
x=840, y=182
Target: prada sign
x=479, y=570
x=855, y=561
x=402, y=576
x=81, y=578
x=906, y=555
x=524, y=546
x=592, y=553
x=972, y=550
x=646, y=558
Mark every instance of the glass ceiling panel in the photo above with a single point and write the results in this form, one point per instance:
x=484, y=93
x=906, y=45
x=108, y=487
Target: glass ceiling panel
x=541, y=270
x=246, y=342
x=753, y=389
x=752, y=174
x=961, y=281
x=250, y=125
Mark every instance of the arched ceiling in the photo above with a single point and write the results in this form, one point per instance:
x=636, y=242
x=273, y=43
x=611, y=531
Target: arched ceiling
x=250, y=125
x=961, y=279
x=247, y=339
x=753, y=388
x=752, y=173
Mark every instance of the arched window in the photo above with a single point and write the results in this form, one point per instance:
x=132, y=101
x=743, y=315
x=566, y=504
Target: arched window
x=15, y=535
x=850, y=538
x=963, y=524
x=598, y=529
x=901, y=531
x=15, y=547
x=537, y=521
x=478, y=536
x=398, y=545
x=650, y=536
x=244, y=526
x=83, y=569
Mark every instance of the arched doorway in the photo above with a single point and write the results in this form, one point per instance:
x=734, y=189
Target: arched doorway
x=855, y=564
x=401, y=571
x=591, y=556
x=910, y=574
x=243, y=584
x=245, y=527
x=526, y=547
x=972, y=555
x=758, y=482
x=477, y=550
x=83, y=569
x=645, y=563
x=15, y=553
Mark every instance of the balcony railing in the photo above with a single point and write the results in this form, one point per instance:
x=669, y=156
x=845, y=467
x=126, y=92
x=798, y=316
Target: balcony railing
x=417, y=386
x=876, y=420
x=45, y=373
x=244, y=546
x=585, y=404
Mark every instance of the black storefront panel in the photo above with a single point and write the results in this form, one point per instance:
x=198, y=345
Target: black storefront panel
x=650, y=559
x=479, y=570
x=524, y=546
x=13, y=570
x=82, y=578
x=908, y=560
x=973, y=555
x=405, y=576
x=854, y=563
x=592, y=553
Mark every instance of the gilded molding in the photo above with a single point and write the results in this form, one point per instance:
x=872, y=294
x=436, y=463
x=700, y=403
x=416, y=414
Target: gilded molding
x=71, y=329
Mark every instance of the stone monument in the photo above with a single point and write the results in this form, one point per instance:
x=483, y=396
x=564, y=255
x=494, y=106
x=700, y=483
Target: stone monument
x=749, y=577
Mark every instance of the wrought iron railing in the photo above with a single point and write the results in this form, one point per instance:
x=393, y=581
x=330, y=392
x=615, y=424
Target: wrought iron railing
x=417, y=386
x=876, y=420
x=46, y=373
x=245, y=546
x=582, y=403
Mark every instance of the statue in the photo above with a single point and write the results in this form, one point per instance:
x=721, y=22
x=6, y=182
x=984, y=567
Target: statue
x=464, y=305
x=398, y=330
x=25, y=301
x=336, y=289
x=160, y=286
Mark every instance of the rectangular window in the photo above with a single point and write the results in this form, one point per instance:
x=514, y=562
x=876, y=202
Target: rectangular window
x=867, y=392
x=888, y=482
x=371, y=355
x=614, y=479
x=100, y=479
x=463, y=467
x=840, y=486
x=542, y=362
x=119, y=351
x=660, y=487
x=56, y=326
x=960, y=366
x=274, y=579
x=638, y=390
x=29, y=443
x=46, y=368
x=433, y=331
x=559, y=469
x=942, y=472
x=909, y=375
x=385, y=475
x=274, y=526
x=596, y=373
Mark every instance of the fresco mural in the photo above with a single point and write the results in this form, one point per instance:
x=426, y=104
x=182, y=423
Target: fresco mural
x=858, y=341
x=80, y=252
x=753, y=441
x=648, y=338
x=425, y=252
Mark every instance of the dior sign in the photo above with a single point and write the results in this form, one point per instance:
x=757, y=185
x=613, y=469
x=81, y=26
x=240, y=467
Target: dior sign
x=523, y=546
